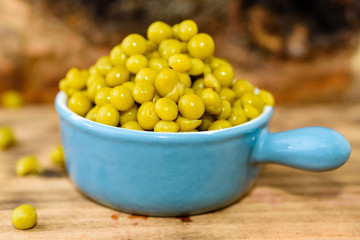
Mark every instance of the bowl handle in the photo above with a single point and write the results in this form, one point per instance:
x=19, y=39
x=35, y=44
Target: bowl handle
x=310, y=148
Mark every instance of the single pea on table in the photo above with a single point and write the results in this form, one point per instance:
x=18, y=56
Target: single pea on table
x=12, y=99
x=24, y=217
x=28, y=165
x=7, y=138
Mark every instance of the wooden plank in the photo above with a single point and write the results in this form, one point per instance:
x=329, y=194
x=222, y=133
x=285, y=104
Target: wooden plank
x=285, y=203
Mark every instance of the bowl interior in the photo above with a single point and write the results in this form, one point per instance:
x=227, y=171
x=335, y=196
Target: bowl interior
x=102, y=129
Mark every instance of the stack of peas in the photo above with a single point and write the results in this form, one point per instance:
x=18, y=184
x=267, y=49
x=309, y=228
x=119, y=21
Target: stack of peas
x=168, y=83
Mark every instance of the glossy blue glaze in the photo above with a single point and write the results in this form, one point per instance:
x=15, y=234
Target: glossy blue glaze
x=310, y=148
x=173, y=174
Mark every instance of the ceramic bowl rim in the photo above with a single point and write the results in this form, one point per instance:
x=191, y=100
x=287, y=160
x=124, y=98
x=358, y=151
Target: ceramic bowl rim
x=114, y=132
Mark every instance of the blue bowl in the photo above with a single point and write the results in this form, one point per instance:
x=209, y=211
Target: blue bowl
x=174, y=174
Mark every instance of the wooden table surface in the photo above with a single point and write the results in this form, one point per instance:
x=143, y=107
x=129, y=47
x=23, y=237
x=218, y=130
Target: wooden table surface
x=285, y=203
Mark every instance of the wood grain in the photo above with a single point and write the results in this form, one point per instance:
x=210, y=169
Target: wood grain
x=285, y=203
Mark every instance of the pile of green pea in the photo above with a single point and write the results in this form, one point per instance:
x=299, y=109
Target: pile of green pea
x=169, y=82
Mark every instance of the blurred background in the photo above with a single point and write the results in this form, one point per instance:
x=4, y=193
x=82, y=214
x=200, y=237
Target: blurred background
x=301, y=51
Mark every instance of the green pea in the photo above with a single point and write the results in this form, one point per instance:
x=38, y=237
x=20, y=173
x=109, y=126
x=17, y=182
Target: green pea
x=57, y=156
x=24, y=217
x=7, y=138
x=12, y=99
x=27, y=165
